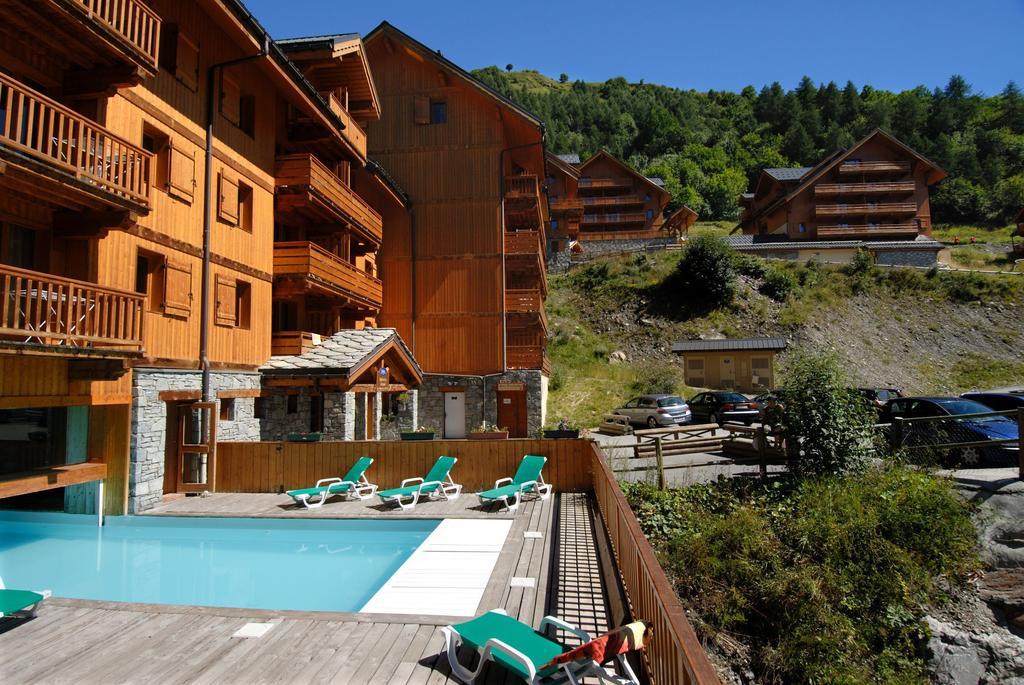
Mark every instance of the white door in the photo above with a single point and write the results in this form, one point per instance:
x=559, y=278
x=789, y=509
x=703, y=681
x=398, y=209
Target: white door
x=727, y=379
x=455, y=415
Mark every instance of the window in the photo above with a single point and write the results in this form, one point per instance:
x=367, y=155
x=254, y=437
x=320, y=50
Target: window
x=177, y=288
x=803, y=228
x=149, y=279
x=230, y=99
x=233, y=302
x=243, y=304
x=292, y=405
x=155, y=141
x=245, y=207
x=247, y=115
x=227, y=409
x=259, y=408
x=695, y=372
x=554, y=224
x=650, y=214
x=438, y=112
x=227, y=199
x=647, y=197
x=179, y=55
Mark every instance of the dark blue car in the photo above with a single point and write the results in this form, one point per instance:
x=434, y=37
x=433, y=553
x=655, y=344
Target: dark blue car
x=957, y=430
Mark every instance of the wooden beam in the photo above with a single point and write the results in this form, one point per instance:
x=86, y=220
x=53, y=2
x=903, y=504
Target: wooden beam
x=96, y=369
x=371, y=387
x=101, y=81
x=27, y=482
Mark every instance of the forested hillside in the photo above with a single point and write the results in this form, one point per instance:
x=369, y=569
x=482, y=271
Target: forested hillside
x=708, y=146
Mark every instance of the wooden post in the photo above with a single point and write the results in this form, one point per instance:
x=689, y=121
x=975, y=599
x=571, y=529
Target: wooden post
x=1020, y=442
x=897, y=433
x=761, y=436
x=659, y=455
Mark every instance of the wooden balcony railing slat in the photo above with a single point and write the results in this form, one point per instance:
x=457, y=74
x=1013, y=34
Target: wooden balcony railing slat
x=133, y=21
x=307, y=259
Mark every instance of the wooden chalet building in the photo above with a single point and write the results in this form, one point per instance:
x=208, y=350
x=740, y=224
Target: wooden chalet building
x=564, y=200
x=464, y=272
x=875, y=190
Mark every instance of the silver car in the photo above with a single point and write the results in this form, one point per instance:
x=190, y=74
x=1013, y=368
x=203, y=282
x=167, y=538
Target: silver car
x=656, y=410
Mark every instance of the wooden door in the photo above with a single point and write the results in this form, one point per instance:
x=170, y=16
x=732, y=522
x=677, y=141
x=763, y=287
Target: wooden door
x=197, y=447
x=512, y=412
x=727, y=374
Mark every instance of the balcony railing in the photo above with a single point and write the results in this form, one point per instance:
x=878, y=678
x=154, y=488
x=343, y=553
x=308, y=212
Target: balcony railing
x=564, y=205
x=353, y=133
x=594, y=183
x=38, y=308
x=327, y=272
x=527, y=357
x=306, y=172
x=883, y=167
x=616, y=201
x=867, y=230
x=291, y=342
x=43, y=129
x=613, y=219
x=871, y=208
x=864, y=188
x=522, y=242
x=526, y=301
x=138, y=25
x=584, y=236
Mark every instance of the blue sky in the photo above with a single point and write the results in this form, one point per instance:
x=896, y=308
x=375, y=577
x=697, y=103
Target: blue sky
x=702, y=44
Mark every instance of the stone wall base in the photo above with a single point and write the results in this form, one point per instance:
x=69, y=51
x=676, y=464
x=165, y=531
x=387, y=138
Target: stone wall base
x=481, y=398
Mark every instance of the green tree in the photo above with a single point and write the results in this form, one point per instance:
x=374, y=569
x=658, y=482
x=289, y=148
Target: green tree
x=705, y=276
x=563, y=77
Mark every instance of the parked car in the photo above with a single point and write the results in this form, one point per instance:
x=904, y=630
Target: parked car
x=878, y=397
x=723, y=406
x=966, y=430
x=997, y=401
x=656, y=410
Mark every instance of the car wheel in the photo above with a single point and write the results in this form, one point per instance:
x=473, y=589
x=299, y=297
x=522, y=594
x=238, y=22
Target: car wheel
x=969, y=456
x=652, y=422
x=713, y=418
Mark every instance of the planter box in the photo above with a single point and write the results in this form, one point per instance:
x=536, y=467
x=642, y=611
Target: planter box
x=303, y=437
x=562, y=435
x=494, y=435
x=417, y=436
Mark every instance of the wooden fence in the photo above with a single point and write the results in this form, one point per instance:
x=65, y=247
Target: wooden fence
x=675, y=656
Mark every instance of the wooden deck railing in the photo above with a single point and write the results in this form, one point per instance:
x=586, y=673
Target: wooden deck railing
x=131, y=20
x=566, y=205
x=309, y=260
x=864, y=188
x=623, y=235
x=522, y=186
x=522, y=242
x=51, y=310
x=876, y=208
x=354, y=133
x=616, y=201
x=874, y=167
x=524, y=356
x=862, y=230
x=675, y=655
x=48, y=131
x=291, y=342
x=616, y=218
x=306, y=171
x=605, y=183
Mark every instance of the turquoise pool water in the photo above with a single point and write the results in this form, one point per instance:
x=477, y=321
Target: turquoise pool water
x=302, y=564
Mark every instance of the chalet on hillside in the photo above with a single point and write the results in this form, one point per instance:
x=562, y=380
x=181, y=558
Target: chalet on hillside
x=876, y=189
x=464, y=272
x=564, y=200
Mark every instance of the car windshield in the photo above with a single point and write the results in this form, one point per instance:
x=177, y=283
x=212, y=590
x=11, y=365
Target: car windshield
x=732, y=397
x=957, y=407
x=670, y=402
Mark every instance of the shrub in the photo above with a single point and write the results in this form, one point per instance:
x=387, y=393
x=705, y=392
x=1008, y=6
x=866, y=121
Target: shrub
x=748, y=266
x=778, y=284
x=705, y=275
x=823, y=418
x=656, y=379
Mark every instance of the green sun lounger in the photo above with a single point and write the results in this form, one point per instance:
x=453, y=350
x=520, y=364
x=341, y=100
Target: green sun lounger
x=352, y=484
x=437, y=484
x=525, y=652
x=18, y=602
x=528, y=479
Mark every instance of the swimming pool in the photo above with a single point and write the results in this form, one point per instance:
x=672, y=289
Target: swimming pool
x=301, y=564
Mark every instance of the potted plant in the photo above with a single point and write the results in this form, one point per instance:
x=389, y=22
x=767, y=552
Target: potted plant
x=488, y=431
x=303, y=437
x=421, y=433
x=565, y=430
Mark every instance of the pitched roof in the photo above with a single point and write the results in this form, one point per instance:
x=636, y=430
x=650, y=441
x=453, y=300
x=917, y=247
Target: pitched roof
x=628, y=169
x=730, y=344
x=570, y=157
x=657, y=180
x=340, y=354
x=768, y=243
x=565, y=167
x=785, y=174
x=340, y=49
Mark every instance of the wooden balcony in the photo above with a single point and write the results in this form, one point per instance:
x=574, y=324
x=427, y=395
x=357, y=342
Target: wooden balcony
x=308, y=188
x=353, y=133
x=527, y=357
x=524, y=253
x=291, y=342
x=66, y=159
x=566, y=206
x=613, y=219
x=522, y=191
x=881, y=188
x=881, y=167
x=304, y=267
x=615, y=201
x=876, y=208
x=68, y=316
x=604, y=183
x=526, y=303
x=525, y=243
x=830, y=231
x=585, y=236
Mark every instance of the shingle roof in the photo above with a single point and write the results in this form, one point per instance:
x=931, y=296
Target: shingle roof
x=788, y=173
x=570, y=158
x=309, y=41
x=751, y=243
x=729, y=344
x=343, y=351
x=657, y=180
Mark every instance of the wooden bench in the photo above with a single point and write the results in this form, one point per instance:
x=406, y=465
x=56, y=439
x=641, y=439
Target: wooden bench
x=677, y=440
x=615, y=424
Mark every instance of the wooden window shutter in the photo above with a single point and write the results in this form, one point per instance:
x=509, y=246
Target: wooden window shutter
x=182, y=173
x=422, y=110
x=225, y=304
x=187, y=63
x=177, y=288
x=227, y=203
x=230, y=100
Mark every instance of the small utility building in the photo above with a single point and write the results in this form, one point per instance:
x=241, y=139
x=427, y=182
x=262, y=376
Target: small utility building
x=745, y=364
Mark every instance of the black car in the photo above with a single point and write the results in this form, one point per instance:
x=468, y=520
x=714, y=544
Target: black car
x=970, y=429
x=878, y=397
x=723, y=406
x=997, y=401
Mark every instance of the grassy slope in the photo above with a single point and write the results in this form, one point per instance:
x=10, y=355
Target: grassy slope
x=927, y=335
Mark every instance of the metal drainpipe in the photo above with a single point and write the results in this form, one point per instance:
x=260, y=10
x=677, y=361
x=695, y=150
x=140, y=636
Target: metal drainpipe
x=204, y=307
x=412, y=272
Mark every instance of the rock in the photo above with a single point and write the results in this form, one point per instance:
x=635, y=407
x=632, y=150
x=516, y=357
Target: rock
x=617, y=357
x=1004, y=588
x=957, y=657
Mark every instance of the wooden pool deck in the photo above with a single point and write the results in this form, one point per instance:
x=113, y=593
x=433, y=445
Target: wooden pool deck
x=105, y=642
